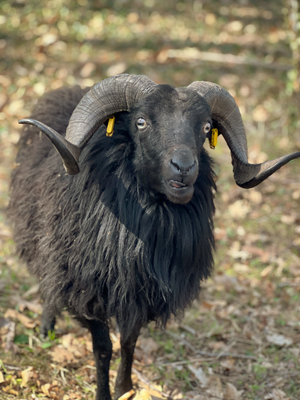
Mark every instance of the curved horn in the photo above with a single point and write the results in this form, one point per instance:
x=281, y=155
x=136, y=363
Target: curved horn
x=112, y=95
x=226, y=113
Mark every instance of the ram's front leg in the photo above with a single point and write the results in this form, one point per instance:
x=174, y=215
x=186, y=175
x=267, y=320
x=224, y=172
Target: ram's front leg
x=48, y=321
x=124, y=382
x=102, y=348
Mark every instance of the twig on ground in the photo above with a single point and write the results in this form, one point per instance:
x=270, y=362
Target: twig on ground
x=182, y=362
x=188, y=329
x=207, y=354
x=12, y=367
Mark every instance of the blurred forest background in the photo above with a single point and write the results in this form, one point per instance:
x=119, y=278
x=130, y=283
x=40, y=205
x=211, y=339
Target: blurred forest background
x=241, y=340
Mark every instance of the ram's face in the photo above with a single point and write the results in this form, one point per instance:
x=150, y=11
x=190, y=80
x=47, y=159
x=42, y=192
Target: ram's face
x=169, y=128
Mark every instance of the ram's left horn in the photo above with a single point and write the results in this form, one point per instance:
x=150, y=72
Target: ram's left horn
x=68, y=152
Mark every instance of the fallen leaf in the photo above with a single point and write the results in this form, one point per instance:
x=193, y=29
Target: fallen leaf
x=239, y=209
x=26, y=375
x=89, y=345
x=288, y=219
x=7, y=334
x=127, y=395
x=228, y=363
x=254, y=196
x=266, y=271
x=13, y=314
x=45, y=389
x=148, y=345
x=278, y=394
x=214, y=387
x=260, y=114
x=231, y=392
x=154, y=390
x=199, y=374
x=143, y=395
x=30, y=305
x=66, y=340
x=279, y=340
x=115, y=342
x=1, y=377
x=61, y=355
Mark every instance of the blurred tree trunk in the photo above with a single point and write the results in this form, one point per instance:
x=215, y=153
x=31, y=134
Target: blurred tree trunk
x=294, y=35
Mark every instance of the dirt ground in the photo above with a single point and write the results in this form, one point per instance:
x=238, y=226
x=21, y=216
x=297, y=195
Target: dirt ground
x=241, y=339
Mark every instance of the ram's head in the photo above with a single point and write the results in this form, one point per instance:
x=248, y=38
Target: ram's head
x=169, y=125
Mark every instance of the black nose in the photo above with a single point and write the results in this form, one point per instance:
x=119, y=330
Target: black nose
x=182, y=162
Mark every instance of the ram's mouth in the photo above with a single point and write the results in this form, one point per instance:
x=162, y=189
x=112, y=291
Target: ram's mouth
x=177, y=185
x=178, y=192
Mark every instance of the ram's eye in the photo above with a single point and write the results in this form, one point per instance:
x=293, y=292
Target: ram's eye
x=206, y=128
x=141, y=123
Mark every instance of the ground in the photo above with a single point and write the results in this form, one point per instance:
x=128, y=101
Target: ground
x=241, y=339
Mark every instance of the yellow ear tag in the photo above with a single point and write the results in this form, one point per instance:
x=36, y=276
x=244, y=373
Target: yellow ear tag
x=110, y=126
x=214, y=138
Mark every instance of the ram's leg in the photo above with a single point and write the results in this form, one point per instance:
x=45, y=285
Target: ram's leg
x=102, y=352
x=47, y=321
x=124, y=382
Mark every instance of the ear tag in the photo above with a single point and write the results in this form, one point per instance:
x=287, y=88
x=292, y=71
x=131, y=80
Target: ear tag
x=110, y=126
x=214, y=138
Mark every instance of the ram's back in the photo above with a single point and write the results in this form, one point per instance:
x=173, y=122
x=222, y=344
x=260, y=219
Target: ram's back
x=35, y=154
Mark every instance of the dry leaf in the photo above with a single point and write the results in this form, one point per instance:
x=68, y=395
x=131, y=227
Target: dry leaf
x=89, y=345
x=7, y=334
x=260, y=114
x=115, y=342
x=127, y=395
x=26, y=375
x=266, y=271
x=1, y=377
x=143, y=395
x=199, y=374
x=288, y=219
x=279, y=340
x=214, y=387
x=30, y=305
x=61, y=355
x=45, y=389
x=254, y=196
x=66, y=340
x=13, y=314
x=239, y=209
x=154, y=390
x=278, y=394
x=231, y=392
x=148, y=345
x=228, y=363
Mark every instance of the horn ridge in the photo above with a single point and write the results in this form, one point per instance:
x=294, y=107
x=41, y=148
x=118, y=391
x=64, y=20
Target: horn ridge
x=230, y=124
x=67, y=151
x=115, y=94
x=112, y=95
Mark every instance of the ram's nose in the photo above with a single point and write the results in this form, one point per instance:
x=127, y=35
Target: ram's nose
x=184, y=164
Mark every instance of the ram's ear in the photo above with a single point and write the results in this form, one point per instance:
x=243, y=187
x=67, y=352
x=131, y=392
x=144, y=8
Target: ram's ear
x=68, y=152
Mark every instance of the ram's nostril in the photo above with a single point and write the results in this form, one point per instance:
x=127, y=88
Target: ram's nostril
x=175, y=165
x=182, y=161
